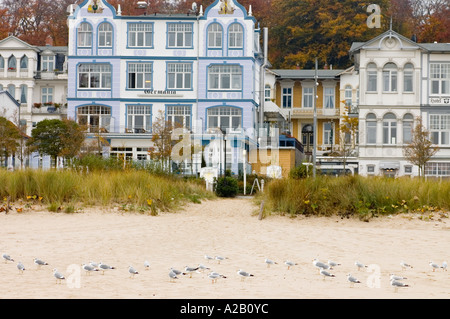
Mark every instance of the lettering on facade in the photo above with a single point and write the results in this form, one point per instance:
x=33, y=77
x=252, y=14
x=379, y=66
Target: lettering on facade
x=438, y=100
x=160, y=92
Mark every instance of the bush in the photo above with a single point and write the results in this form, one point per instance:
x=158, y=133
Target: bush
x=227, y=187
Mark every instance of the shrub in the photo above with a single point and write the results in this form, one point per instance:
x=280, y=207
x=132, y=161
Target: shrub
x=227, y=187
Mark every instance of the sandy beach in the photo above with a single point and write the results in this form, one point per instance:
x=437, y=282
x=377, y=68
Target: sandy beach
x=225, y=227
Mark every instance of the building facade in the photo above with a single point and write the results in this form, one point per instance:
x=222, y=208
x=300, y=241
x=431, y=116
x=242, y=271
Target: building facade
x=399, y=81
x=198, y=70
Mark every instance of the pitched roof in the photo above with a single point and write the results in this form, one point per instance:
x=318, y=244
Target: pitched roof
x=307, y=74
x=10, y=96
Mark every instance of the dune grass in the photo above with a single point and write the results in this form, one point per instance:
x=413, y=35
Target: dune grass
x=355, y=195
x=130, y=189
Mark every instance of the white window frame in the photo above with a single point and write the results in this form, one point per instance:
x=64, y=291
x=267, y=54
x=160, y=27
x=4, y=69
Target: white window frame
x=225, y=77
x=139, y=75
x=287, y=96
x=141, y=112
x=327, y=131
x=215, y=31
x=372, y=77
x=96, y=116
x=179, y=35
x=440, y=129
x=408, y=128
x=390, y=129
x=439, y=78
x=47, y=63
x=390, y=78
x=308, y=97
x=102, y=71
x=47, y=94
x=371, y=129
x=180, y=114
x=329, y=97
x=105, y=35
x=408, y=78
x=85, y=35
x=179, y=76
x=225, y=117
x=235, y=36
x=348, y=93
x=140, y=35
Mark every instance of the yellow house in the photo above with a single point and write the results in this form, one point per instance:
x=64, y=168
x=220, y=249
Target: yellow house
x=293, y=92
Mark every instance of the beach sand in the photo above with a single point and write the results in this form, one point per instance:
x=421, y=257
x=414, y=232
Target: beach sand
x=225, y=227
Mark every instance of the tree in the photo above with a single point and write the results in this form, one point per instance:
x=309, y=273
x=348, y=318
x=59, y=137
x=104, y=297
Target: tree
x=56, y=138
x=162, y=140
x=349, y=130
x=421, y=148
x=9, y=136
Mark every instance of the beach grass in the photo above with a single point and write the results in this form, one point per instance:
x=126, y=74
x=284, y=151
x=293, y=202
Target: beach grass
x=365, y=197
x=129, y=189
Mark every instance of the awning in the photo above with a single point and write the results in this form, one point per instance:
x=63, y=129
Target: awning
x=389, y=165
x=270, y=107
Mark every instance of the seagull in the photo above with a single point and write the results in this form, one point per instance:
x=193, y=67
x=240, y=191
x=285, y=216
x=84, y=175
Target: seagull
x=190, y=270
x=360, y=265
x=39, y=262
x=89, y=268
x=58, y=275
x=208, y=258
x=352, y=280
x=396, y=284
x=325, y=273
x=220, y=258
x=444, y=266
x=405, y=265
x=244, y=274
x=132, y=271
x=214, y=276
x=104, y=267
x=177, y=272
x=333, y=264
x=320, y=264
x=172, y=276
x=394, y=277
x=270, y=262
x=21, y=267
x=290, y=264
x=146, y=265
x=93, y=264
x=434, y=265
x=202, y=267
x=7, y=258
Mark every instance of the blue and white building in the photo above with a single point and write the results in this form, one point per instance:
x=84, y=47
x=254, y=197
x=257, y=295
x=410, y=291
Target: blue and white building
x=200, y=70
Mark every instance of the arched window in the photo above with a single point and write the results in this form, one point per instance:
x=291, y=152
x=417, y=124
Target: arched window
x=214, y=36
x=389, y=129
x=390, y=78
x=24, y=63
x=84, y=35
x=2, y=63
x=235, y=36
x=371, y=128
x=105, y=35
x=372, y=77
x=97, y=118
x=12, y=63
x=408, y=75
x=408, y=126
x=12, y=90
x=23, y=93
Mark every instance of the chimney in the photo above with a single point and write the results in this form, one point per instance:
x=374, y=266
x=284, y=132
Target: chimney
x=49, y=41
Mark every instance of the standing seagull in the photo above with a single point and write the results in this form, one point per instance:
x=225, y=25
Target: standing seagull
x=270, y=262
x=244, y=274
x=444, y=266
x=177, y=272
x=132, y=271
x=395, y=277
x=220, y=258
x=89, y=268
x=7, y=258
x=208, y=258
x=104, y=267
x=146, y=265
x=352, y=280
x=39, y=263
x=58, y=275
x=325, y=273
x=333, y=264
x=434, y=265
x=190, y=270
x=290, y=264
x=21, y=267
x=405, y=265
x=360, y=265
x=320, y=264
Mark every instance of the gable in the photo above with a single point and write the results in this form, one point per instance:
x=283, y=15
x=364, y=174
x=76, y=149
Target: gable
x=14, y=43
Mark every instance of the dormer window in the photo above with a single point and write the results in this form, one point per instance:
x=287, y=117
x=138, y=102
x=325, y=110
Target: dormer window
x=47, y=63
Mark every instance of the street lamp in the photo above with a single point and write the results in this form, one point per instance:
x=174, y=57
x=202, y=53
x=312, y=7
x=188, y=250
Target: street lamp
x=244, y=158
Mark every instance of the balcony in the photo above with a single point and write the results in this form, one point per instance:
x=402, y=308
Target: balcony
x=39, y=108
x=309, y=112
x=51, y=75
